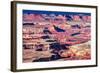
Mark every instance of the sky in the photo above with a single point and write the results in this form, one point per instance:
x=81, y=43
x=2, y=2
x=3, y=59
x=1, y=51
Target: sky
x=53, y=12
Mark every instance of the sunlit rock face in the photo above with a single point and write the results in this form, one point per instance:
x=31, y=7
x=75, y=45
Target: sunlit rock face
x=50, y=36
